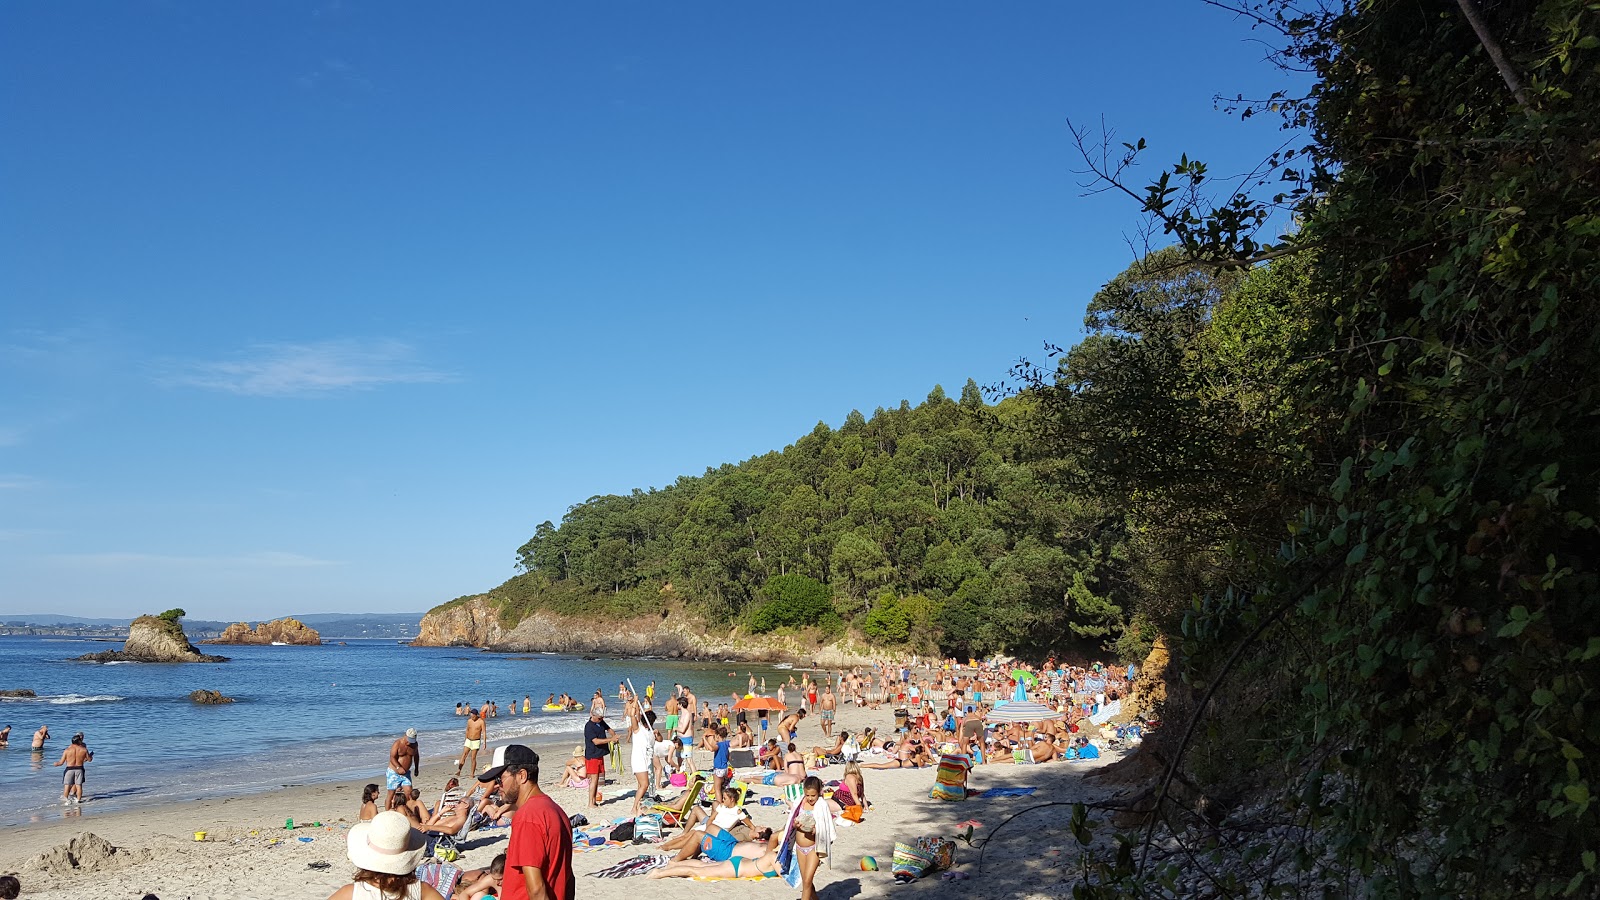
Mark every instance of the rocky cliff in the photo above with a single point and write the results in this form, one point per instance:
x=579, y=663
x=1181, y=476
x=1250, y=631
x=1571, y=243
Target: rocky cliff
x=153, y=639
x=473, y=623
x=278, y=631
x=469, y=623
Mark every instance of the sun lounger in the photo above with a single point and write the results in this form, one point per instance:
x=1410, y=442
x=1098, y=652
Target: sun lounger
x=674, y=814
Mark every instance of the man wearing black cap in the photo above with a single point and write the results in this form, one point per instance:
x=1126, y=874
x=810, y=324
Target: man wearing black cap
x=539, y=853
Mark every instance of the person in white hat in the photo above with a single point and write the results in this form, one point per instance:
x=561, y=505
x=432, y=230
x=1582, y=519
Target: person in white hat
x=405, y=762
x=386, y=852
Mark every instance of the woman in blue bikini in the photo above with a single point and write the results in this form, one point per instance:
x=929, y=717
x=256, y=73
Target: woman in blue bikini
x=763, y=866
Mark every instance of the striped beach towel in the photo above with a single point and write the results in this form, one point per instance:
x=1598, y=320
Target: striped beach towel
x=950, y=779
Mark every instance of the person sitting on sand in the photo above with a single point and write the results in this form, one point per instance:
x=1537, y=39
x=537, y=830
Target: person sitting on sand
x=793, y=772
x=386, y=852
x=836, y=753
x=476, y=884
x=573, y=775
x=852, y=789
x=369, y=803
x=401, y=803
x=701, y=826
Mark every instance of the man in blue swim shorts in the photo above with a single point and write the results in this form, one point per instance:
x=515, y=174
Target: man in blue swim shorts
x=404, y=763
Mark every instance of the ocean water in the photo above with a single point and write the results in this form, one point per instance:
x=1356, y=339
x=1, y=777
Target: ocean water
x=302, y=714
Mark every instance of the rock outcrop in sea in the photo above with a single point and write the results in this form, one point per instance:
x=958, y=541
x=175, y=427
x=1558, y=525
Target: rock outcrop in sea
x=208, y=698
x=19, y=693
x=473, y=623
x=278, y=631
x=153, y=639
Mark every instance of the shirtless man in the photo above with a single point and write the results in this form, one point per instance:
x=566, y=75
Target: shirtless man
x=473, y=743
x=790, y=725
x=827, y=704
x=404, y=763
x=75, y=757
x=5, y=736
x=40, y=736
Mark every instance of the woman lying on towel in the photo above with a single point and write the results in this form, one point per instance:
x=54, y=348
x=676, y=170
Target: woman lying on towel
x=763, y=866
x=907, y=755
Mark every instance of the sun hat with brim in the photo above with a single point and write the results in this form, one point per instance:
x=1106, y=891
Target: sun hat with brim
x=509, y=755
x=386, y=844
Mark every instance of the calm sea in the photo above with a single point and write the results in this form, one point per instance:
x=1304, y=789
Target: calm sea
x=303, y=713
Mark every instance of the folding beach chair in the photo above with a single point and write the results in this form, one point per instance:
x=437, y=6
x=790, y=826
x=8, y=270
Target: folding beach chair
x=446, y=846
x=676, y=813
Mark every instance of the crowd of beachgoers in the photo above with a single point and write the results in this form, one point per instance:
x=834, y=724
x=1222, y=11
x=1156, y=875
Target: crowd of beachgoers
x=671, y=764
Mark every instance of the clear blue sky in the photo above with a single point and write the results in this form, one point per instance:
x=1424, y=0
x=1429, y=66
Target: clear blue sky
x=324, y=306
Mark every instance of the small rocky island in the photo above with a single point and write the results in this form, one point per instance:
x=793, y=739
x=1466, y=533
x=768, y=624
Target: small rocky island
x=155, y=639
x=278, y=631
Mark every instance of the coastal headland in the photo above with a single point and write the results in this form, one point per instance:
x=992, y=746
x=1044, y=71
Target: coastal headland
x=475, y=622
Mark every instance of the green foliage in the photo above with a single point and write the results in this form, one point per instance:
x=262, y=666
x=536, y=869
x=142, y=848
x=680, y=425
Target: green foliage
x=793, y=600
x=945, y=504
x=1381, y=453
x=172, y=615
x=887, y=622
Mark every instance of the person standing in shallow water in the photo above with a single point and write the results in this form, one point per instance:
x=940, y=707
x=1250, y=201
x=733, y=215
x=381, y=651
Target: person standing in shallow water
x=76, y=757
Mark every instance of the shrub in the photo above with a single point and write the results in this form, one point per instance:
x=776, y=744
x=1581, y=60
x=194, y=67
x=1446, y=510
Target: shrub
x=792, y=600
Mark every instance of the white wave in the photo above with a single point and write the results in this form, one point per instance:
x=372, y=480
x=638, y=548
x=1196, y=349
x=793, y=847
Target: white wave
x=66, y=699
x=558, y=723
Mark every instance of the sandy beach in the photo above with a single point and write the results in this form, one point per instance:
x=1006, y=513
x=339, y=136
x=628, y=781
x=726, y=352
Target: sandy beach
x=248, y=853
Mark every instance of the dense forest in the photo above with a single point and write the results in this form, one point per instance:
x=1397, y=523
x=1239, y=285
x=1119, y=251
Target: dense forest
x=936, y=525
x=1351, y=476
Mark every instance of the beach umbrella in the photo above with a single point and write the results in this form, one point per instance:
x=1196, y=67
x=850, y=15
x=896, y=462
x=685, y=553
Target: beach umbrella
x=1022, y=711
x=766, y=703
x=1023, y=676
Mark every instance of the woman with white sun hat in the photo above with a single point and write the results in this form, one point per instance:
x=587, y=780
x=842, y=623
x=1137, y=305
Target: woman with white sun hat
x=386, y=852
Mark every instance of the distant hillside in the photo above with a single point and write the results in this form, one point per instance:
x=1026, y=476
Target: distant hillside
x=332, y=626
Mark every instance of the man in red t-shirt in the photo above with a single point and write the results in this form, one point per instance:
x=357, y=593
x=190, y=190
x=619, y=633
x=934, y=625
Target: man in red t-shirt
x=539, y=855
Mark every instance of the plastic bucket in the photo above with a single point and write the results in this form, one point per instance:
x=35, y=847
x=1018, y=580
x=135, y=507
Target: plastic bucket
x=199, y=835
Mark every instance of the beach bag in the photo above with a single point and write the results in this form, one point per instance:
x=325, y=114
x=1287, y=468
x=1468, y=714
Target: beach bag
x=623, y=832
x=950, y=779
x=647, y=829
x=853, y=813
x=442, y=875
x=918, y=858
x=678, y=779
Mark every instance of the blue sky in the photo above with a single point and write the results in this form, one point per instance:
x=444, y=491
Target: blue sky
x=325, y=306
